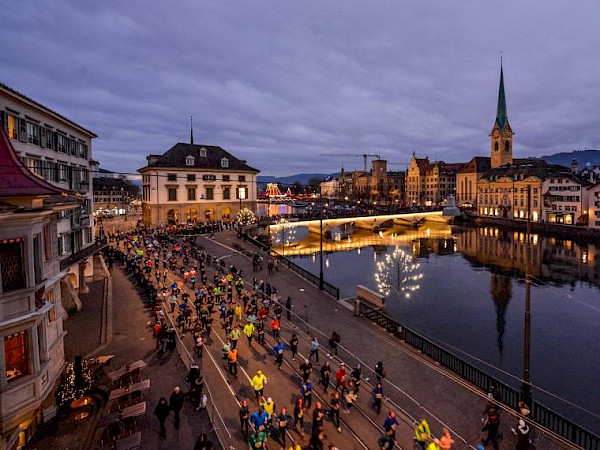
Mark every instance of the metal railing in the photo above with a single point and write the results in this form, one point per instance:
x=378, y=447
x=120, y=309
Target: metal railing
x=327, y=287
x=541, y=414
x=82, y=254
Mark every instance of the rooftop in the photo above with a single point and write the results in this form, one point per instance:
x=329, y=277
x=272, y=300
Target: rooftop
x=176, y=156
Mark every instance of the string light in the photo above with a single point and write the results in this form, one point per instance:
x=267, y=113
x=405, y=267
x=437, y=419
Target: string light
x=67, y=391
x=397, y=271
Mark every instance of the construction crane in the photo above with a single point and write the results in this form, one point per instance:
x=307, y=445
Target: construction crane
x=364, y=156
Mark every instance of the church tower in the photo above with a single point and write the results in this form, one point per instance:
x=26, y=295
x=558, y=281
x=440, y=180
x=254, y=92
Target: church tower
x=501, y=137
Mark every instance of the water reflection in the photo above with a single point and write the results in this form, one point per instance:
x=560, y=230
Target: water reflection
x=471, y=296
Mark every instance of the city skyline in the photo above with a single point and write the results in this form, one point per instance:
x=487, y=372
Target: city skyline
x=280, y=84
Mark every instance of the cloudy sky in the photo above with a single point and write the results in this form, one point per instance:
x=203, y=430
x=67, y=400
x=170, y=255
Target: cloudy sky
x=279, y=82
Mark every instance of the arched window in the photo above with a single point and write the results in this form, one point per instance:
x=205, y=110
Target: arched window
x=506, y=147
x=496, y=147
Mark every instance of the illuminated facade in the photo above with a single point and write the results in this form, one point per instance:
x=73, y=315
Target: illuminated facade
x=195, y=183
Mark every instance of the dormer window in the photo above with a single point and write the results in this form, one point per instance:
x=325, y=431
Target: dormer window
x=202, y=152
x=225, y=163
x=189, y=160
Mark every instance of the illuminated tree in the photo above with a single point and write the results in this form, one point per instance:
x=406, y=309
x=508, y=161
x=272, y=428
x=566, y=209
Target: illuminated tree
x=399, y=272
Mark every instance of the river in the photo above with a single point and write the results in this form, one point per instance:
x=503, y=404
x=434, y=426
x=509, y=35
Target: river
x=464, y=288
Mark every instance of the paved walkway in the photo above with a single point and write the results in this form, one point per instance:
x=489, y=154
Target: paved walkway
x=418, y=385
x=132, y=340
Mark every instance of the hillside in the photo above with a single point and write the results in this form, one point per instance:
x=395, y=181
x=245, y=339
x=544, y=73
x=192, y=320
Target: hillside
x=583, y=157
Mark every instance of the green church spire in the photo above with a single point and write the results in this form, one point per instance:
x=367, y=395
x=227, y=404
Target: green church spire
x=501, y=115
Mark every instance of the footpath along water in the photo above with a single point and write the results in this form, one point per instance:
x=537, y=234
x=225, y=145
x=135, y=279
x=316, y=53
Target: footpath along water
x=465, y=288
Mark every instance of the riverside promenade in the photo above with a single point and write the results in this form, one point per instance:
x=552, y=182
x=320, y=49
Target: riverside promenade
x=416, y=387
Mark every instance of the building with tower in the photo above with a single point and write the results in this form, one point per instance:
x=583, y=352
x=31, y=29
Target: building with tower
x=501, y=137
x=430, y=183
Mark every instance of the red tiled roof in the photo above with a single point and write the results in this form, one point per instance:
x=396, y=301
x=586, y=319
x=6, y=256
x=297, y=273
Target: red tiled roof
x=15, y=178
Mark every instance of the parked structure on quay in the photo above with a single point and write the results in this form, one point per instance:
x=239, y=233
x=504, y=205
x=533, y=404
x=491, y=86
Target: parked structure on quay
x=31, y=316
x=60, y=151
x=191, y=183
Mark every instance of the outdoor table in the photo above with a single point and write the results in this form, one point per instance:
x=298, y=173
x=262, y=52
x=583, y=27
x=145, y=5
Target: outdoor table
x=139, y=409
x=132, y=441
x=119, y=373
x=80, y=402
x=121, y=392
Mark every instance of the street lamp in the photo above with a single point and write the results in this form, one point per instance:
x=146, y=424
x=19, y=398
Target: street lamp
x=320, y=239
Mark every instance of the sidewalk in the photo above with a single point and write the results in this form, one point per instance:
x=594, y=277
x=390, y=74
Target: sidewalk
x=132, y=340
x=433, y=388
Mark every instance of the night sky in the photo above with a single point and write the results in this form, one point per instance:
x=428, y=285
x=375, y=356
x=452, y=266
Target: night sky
x=278, y=82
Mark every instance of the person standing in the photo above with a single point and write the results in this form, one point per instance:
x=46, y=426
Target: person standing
x=288, y=307
x=446, y=440
x=162, y=412
x=249, y=331
x=491, y=425
x=299, y=416
x=390, y=423
x=522, y=433
x=314, y=348
x=232, y=360
x=202, y=443
x=258, y=384
x=379, y=371
x=234, y=335
x=176, y=404
x=377, y=397
x=294, y=346
x=306, y=391
x=333, y=342
x=283, y=419
x=325, y=375
x=335, y=403
x=278, y=349
x=244, y=418
x=422, y=433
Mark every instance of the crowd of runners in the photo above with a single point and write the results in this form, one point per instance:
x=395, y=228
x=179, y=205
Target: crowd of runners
x=200, y=294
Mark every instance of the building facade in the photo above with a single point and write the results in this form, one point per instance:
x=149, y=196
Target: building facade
x=565, y=198
x=430, y=183
x=194, y=183
x=60, y=151
x=113, y=196
x=467, y=178
x=31, y=314
x=593, y=199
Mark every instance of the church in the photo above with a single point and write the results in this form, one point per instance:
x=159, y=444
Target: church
x=502, y=186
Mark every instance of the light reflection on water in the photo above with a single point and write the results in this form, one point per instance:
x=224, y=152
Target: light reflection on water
x=471, y=297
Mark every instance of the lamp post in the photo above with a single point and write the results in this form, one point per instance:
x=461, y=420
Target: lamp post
x=526, y=385
x=320, y=238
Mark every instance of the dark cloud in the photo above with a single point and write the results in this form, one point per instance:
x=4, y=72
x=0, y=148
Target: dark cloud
x=278, y=83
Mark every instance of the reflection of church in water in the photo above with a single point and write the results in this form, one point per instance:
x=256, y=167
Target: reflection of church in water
x=554, y=261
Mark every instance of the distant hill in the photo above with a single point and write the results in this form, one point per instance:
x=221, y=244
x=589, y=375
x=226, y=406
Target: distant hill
x=301, y=178
x=582, y=156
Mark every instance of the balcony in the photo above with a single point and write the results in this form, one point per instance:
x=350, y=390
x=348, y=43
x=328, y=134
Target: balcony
x=82, y=254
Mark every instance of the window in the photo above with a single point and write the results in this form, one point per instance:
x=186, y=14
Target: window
x=242, y=178
x=13, y=127
x=210, y=193
x=506, y=147
x=209, y=177
x=172, y=194
x=61, y=141
x=172, y=177
x=191, y=193
x=189, y=160
x=47, y=243
x=63, y=172
x=225, y=177
x=191, y=177
x=226, y=193
x=81, y=150
x=224, y=163
x=72, y=147
x=203, y=152
x=11, y=265
x=16, y=355
x=496, y=147
x=33, y=133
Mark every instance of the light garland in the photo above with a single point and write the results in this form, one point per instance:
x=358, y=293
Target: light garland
x=245, y=217
x=67, y=391
x=399, y=272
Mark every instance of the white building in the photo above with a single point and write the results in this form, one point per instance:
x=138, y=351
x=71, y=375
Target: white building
x=593, y=199
x=193, y=183
x=60, y=151
x=565, y=198
x=31, y=314
x=330, y=188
